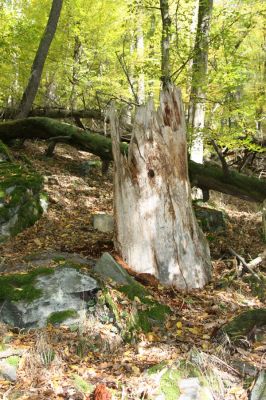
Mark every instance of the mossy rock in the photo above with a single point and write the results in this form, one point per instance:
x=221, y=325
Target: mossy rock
x=45, y=295
x=241, y=326
x=147, y=311
x=174, y=378
x=258, y=287
x=21, y=199
x=16, y=287
x=210, y=220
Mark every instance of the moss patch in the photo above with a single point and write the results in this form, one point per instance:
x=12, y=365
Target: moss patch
x=153, y=313
x=20, y=198
x=18, y=287
x=168, y=384
x=13, y=360
x=60, y=316
x=142, y=315
x=258, y=287
x=82, y=385
x=243, y=324
x=171, y=376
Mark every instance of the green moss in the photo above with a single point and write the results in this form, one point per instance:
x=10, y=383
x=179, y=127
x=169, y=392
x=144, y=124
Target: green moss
x=168, y=384
x=13, y=360
x=59, y=259
x=18, y=287
x=241, y=325
x=136, y=290
x=171, y=375
x=60, y=316
x=82, y=385
x=157, y=368
x=258, y=287
x=153, y=313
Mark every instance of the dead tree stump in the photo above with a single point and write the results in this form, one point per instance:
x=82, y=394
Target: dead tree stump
x=156, y=230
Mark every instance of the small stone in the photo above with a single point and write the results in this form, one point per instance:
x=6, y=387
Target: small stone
x=109, y=268
x=9, y=372
x=103, y=222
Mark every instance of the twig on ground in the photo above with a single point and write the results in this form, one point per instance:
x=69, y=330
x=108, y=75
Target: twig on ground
x=245, y=264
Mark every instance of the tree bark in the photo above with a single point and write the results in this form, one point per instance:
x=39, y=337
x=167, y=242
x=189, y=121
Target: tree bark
x=208, y=176
x=199, y=77
x=165, y=43
x=38, y=63
x=156, y=229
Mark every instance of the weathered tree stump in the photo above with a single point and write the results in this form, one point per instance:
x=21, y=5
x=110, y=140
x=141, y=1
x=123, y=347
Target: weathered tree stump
x=156, y=230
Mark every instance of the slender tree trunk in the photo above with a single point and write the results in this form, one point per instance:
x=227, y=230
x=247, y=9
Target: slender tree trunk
x=199, y=78
x=38, y=63
x=140, y=54
x=156, y=230
x=75, y=71
x=264, y=220
x=165, y=43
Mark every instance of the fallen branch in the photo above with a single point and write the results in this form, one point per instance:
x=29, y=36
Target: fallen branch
x=244, y=263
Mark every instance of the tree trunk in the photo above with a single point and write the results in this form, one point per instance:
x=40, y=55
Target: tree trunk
x=264, y=220
x=38, y=63
x=140, y=55
x=165, y=43
x=207, y=177
x=156, y=230
x=199, y=77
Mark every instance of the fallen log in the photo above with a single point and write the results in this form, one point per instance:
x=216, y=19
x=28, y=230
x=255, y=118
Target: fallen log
x=56, y=113
x=207, y=177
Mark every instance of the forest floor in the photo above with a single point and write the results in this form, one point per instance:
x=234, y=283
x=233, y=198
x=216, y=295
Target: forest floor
x=74, y=196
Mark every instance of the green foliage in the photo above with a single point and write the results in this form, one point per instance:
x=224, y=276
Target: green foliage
x=97, y=49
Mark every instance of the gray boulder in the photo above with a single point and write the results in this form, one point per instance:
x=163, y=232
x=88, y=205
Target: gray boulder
x=8, y=371
x=63, y=297
x=107, y=267
x=210, y=220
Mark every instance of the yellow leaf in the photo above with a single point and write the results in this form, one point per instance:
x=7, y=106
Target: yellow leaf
x=194, y=330
x=4, y=383
x=37, y=241
x=179, y=332
x=206, y=337
x=205, y=346
x=179, y=325
x=236, y=390
x=75, y=367
x=135, y=369
x=151, y=337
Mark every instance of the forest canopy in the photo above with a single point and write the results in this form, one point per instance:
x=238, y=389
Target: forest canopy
x=112, y=49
